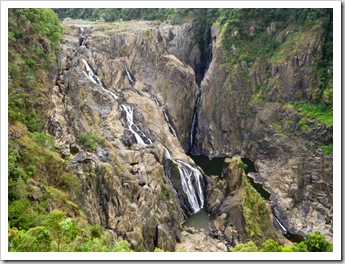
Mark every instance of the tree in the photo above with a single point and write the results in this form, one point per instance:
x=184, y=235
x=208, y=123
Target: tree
x=36, y=239
x=287, y=248
x=122, y=246
x=62, y=229
x=247, y=247
x=317, y=243
x=270, y=245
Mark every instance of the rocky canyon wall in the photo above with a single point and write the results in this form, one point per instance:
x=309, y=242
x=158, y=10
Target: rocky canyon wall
x=245, y=109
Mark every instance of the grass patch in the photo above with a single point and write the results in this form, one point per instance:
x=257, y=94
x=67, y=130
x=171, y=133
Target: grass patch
x=328, y=149
x=316, y=111
x=255, y=210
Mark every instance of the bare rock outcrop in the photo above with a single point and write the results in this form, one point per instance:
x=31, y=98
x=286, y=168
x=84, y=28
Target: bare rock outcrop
x=124, y=187
x=229, y=218
x=244, y=111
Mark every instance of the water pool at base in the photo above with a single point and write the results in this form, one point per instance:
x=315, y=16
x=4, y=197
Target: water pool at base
x=198, y=220
x=212, y=166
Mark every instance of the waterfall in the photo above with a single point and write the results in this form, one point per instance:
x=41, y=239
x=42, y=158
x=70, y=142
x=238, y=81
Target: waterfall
x=94, y=78
x=172, y=130
x=194, y=121
x=130, y=78
x=192, y=183
x=81, y=37
x=130, y=122
x=281, y=225
x=195, y=194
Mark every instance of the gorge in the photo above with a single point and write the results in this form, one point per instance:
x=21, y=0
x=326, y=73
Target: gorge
x=136, y=105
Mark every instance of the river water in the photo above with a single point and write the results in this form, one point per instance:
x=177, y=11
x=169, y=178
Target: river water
x=210, y=167
x=198, y=220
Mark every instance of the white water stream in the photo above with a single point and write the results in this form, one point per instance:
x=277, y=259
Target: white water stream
x=130, y=122
x=191, y=180
x=94, y=78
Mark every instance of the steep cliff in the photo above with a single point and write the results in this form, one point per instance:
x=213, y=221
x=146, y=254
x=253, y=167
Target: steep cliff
x=251, y=109
x=123, y=90
x=239, y=213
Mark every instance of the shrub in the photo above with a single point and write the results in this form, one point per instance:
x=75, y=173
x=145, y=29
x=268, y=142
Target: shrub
x=318, y=111
x=91, y=140
x=328, y=149
x=247, y=247
x=44, y=140
x=96, y=231
x=122, y=246
x=270, y=245
x=255, y=210
x=317, y=243
x=34, y=240
x=70, y=182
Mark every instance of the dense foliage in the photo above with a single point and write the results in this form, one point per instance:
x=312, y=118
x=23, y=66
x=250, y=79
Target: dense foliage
x=33, y=42
x=174, y=15
x=314, y=243
x=277, y=35
x=60, y=233
x=255, y=211
x=38, y=178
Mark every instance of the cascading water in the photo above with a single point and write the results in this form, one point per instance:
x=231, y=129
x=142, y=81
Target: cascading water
x=194, y=122
x=81, y=37
x=172, y=130
x=94, y=78
x=130, y=78
x=130, y=122
x=192, y=183
x=169, y=124
x=281, y=225
x=194, y=193
x=205, y=58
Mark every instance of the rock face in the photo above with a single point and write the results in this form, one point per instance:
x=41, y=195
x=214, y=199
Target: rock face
x=132, y=81
x=116, y=86
x=198, y=240
x=235, y=119
x=161, y=57
x=228, y=207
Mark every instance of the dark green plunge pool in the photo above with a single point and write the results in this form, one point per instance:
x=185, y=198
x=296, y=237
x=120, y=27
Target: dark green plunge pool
x=212, y=166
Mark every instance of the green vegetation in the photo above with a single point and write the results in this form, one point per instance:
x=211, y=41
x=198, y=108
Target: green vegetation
x=255, y=211
x=318, y=111
x=328, y=149
x=91, y=140
x=314, y=243
x=62, y=234
x=262, y=36
x=165, y=193
x=173, y=15
x=44, y=140
x=39, y=180
x=247, y=247
x=33, y=42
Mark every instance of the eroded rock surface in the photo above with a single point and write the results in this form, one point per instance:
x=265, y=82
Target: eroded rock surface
x=124, y=187
x=234, y=119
